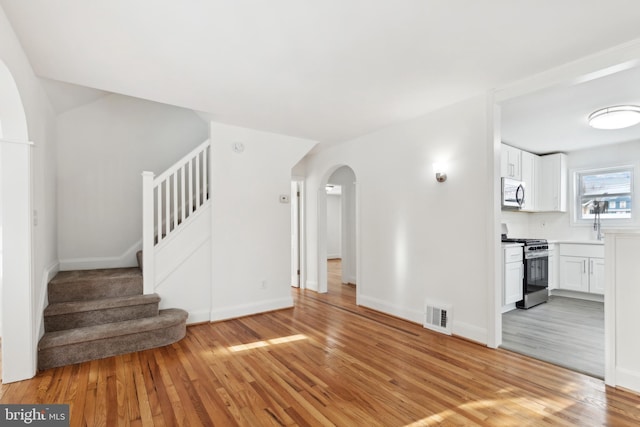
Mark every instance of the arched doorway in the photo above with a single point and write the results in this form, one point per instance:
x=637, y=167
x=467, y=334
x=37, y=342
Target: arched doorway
x=345, y=244
x=16, y=308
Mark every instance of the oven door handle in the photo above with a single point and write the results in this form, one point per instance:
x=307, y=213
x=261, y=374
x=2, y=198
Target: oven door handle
x=536, y=255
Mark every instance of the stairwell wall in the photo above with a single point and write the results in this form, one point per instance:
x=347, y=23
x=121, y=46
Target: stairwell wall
x=251, y=232
x=104, y=147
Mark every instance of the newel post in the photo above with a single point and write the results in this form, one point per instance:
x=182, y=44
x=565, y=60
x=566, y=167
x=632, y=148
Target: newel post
x=148, y=252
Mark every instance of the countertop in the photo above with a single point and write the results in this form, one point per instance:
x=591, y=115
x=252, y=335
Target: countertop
x=577, y=242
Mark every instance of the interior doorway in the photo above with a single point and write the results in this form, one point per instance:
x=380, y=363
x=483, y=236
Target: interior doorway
x=341, y=257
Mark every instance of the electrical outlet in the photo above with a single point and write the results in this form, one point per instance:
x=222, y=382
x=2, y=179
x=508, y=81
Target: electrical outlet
x=263, y=284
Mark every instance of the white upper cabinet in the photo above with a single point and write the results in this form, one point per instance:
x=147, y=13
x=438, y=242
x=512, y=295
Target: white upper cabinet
x=510, y=162
x=529, y=168
x=545, y=178
x=552, y=191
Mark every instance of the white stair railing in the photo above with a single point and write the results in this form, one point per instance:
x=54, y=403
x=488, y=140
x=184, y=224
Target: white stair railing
x=169, y=200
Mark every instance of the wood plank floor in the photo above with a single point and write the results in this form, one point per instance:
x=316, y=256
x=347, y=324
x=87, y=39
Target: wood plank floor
x=565, y=331
x=325, y=362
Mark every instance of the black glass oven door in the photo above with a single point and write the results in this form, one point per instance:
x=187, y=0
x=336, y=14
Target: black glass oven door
x=536, y=274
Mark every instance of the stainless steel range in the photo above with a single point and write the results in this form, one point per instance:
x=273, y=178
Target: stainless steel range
x=535, y=283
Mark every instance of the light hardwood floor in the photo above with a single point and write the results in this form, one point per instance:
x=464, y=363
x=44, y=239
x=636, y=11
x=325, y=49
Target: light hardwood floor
x=325, y=362
x=565, y=331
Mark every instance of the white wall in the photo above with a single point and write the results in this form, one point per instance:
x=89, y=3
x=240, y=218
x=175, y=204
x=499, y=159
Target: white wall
x=43, y=262
x=419, y=238
x=517, y=223
x=13, y=123
x=103, y=148
x=183, y=267
x=251, y=247
x=334, y=226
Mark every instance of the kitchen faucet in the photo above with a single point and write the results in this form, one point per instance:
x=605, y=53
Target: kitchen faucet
x=597, y=227
x=598, y=208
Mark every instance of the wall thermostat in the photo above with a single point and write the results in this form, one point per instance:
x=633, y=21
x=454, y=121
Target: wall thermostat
x=237, y=147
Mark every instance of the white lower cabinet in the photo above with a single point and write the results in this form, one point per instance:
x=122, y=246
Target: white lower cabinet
x=596, y=280
x=512, y=282
x=573, y=273
x=579, y=271
x=512, y=275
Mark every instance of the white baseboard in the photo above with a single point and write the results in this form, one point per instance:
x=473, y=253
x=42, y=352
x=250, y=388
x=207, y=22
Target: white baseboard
x=416, y=316
x=628, y=379
x=464, y=330
x=470, y=332
x=200, y=316
x=312, y=285
x=249, y=309
x=127, y=259
x=578, y=295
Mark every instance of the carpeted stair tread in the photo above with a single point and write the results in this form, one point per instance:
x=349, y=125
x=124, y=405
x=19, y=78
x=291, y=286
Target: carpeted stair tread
x=79, y=275
x=82, y=285
x=67, y=307
x=93, y=314
x=166, y=318
x=97, y=342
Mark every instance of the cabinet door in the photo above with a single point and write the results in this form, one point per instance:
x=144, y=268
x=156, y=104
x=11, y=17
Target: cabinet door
x=574, y=273
x=552, y=194
x=528, y=175
x=596, y=275
x=513, y=272
x=510, y=162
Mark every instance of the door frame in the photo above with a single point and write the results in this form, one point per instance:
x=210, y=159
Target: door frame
x=297, y=233
x=592, y=67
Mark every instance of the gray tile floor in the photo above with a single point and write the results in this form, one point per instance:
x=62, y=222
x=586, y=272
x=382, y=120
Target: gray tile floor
x=567, y=332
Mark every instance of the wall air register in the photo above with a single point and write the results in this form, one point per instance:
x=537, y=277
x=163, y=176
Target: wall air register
x=437, y=317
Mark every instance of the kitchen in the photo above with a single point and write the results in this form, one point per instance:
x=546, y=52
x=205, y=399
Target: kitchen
x=578, y=183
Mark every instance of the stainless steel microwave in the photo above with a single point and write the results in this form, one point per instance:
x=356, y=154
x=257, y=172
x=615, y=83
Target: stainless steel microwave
x=513, y=193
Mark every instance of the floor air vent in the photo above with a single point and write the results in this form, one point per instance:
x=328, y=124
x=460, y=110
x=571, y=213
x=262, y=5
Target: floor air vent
x=437, y=317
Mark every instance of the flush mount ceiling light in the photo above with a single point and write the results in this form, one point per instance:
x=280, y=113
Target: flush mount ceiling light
x=618, y=117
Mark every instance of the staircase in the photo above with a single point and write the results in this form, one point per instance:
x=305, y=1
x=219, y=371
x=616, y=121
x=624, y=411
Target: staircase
x=94, y=314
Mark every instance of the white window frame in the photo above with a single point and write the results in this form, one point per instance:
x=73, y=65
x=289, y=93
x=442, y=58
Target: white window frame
x=608, y=222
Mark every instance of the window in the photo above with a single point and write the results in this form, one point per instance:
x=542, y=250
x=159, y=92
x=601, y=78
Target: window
x=608, y=192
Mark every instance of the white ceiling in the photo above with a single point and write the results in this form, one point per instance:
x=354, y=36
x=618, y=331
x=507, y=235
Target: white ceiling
x=327, y=70
x=555, y=119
